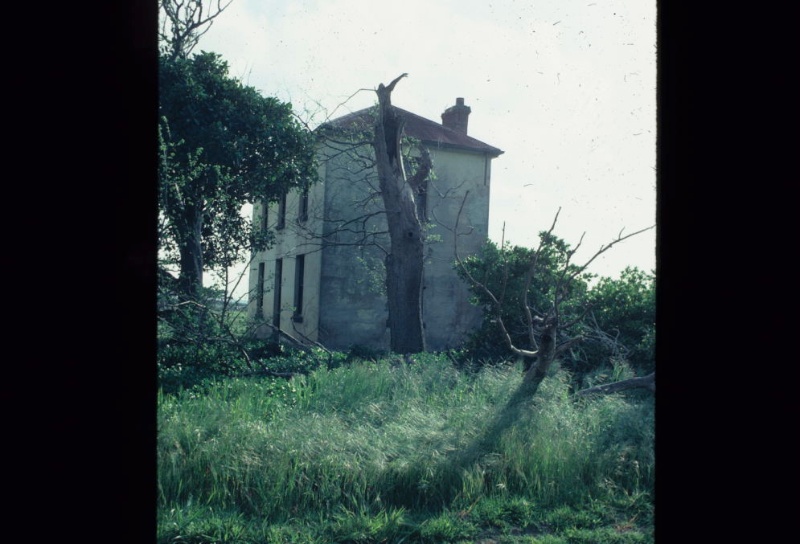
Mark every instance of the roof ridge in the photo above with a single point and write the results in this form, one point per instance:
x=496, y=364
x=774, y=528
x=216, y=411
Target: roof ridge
x=443, y=127
x=426, y=130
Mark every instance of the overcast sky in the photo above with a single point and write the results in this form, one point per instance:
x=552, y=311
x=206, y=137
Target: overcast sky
x=566, y=88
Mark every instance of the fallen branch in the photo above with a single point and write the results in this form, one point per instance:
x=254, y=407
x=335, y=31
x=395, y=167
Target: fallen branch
x=645, y=382
x=291, y=339
x=271, y=373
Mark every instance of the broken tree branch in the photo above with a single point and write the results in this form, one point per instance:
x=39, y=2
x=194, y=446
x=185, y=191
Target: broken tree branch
x=644, y=382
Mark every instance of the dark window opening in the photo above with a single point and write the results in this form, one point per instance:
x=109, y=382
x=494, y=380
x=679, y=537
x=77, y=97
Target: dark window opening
x=276, y=301
x=260, y=292
x=281, y=213
x=302, y=214
x=264, y=214
x=299, y=275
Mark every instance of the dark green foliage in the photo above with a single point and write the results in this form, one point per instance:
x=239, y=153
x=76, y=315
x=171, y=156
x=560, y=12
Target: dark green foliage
x=221, y=145
x=186, y=364
x=448, y=527
x=615, y=317
x=198, y=339
x=205, y=360
x=364, y=526
x=364, y=353
x=625, y=308
x=503, y=512
x=299, y=361
x=503, y=271
x=375, y=451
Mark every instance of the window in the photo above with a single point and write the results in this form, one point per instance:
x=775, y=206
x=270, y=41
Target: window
x=276, y=301
x=264, y=214
x=302, y=214
x=299, y=276
x=281, y=212
x=260, y=293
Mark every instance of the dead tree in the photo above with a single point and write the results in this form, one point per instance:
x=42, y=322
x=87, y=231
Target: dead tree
x=404, y=263
x=185, y=21
x=542, y=329
x=380, y=214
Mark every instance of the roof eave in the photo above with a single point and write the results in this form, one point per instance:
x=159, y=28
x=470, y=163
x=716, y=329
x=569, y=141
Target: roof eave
x=493, y=152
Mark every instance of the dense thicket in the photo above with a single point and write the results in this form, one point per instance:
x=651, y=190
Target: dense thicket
x=614, y=317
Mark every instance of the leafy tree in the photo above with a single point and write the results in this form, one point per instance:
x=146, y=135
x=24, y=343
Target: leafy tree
x=549, y=292
x=624, y=309
x=222, y=144
x=615, y=317
x=503, y=270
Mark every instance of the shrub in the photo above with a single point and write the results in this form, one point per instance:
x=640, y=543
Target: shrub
x=182, y=366
x=626, y=309
x=447, y=527
x=620, y=323
x=503, y=271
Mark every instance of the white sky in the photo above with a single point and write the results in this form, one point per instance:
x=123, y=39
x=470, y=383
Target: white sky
x=566, y=88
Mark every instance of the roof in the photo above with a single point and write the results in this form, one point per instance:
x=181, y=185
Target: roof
x=431, y=133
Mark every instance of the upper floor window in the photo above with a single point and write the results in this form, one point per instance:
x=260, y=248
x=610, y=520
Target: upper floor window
x=264, y=214
x=302, y=213
x=281, y=212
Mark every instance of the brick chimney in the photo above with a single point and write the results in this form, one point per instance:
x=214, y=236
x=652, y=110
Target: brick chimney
x=456, y=117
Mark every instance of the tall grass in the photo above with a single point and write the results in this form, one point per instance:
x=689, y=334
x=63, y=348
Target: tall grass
x=374, y=437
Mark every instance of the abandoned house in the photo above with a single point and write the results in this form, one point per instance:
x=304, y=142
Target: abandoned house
x=323, y=279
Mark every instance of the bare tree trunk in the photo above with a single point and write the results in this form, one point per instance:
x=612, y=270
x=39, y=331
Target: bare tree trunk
x=404, y=264
x=404, y=290
x=544, y=356
x=191, y=253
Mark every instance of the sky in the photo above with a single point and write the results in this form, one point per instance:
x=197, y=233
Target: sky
x=566, y=88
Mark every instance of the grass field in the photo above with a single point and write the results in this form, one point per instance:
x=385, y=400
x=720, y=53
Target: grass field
x=383, y=452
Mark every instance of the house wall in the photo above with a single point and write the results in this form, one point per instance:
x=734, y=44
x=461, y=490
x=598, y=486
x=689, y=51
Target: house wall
x=296, y=238
x=447, y=313
x=352, y=297
x=344, y=291
x=353, y=302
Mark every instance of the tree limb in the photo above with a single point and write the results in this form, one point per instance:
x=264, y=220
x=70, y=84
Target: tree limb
x=186, y=19
x=644, y=382
x=528, y=354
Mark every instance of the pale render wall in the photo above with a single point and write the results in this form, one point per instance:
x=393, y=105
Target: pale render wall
x=344, y=299
x=447, y=313
x=353, y=304
x=296, y=238
x=352, y=297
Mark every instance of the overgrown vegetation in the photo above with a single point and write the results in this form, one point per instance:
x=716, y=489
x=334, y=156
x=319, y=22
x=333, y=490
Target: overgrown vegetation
x=262, y=443
x=385, y=451
x=615, y=318
x=259, y=443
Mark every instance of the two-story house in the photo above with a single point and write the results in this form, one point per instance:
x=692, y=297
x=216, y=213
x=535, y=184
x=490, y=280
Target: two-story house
x=323, y=279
